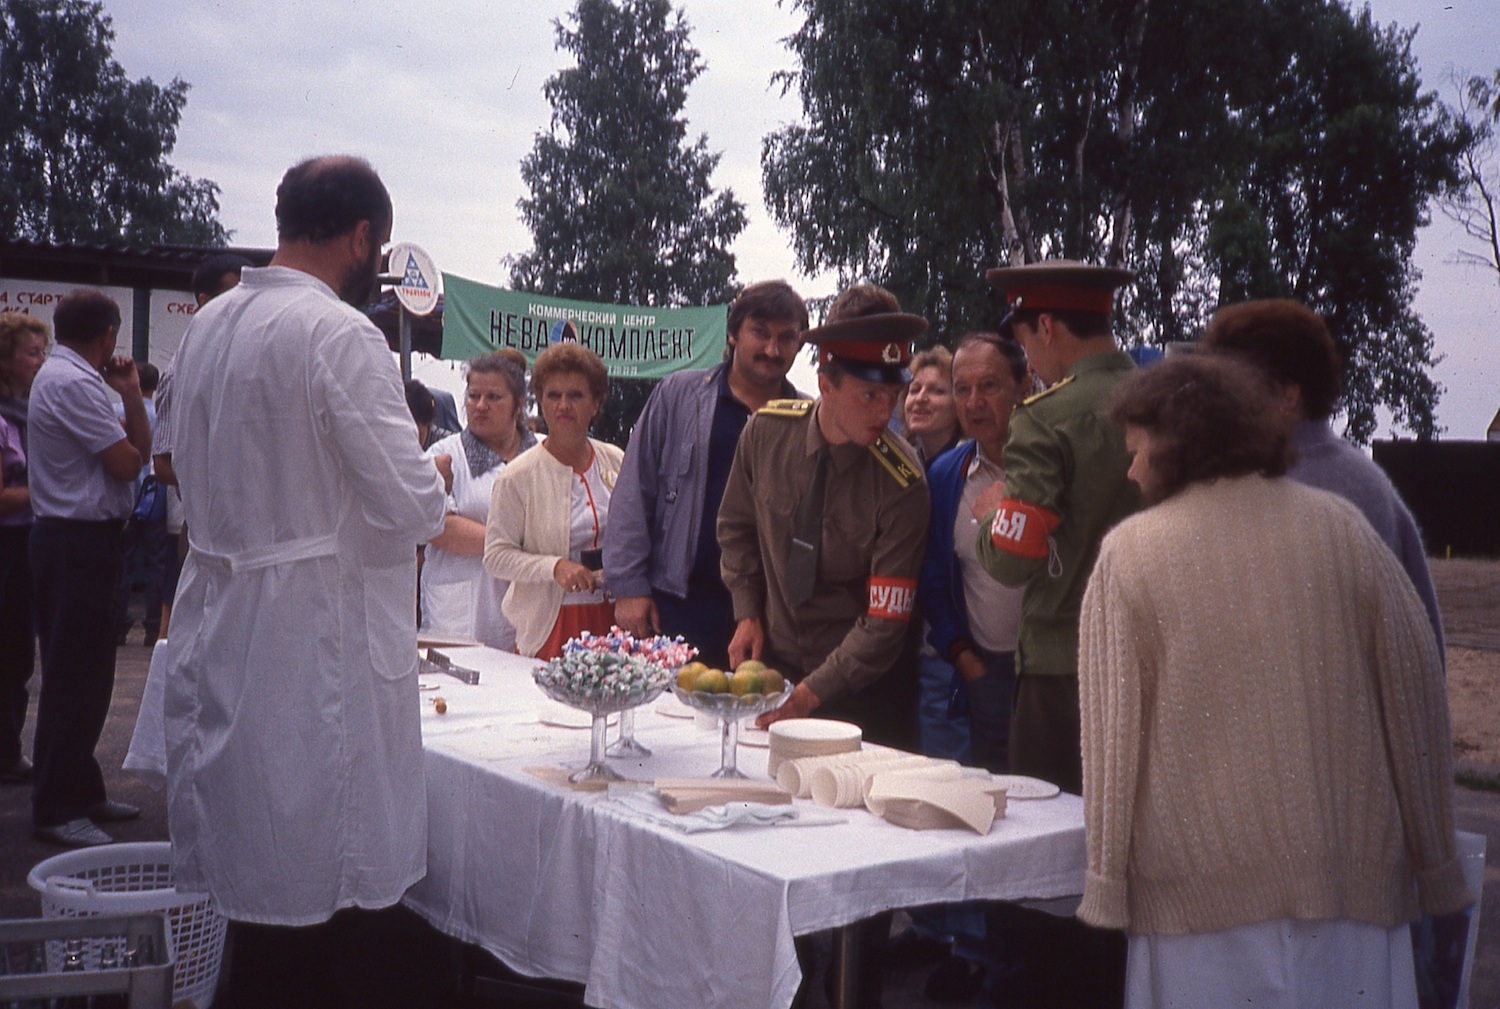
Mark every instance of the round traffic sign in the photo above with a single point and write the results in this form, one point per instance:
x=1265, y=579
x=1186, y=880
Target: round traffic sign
x=417, y=278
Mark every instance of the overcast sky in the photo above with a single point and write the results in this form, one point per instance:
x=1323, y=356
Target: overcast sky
x=446, y=99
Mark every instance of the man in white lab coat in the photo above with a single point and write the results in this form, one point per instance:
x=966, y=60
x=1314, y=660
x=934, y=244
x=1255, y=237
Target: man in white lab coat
x=293, y=737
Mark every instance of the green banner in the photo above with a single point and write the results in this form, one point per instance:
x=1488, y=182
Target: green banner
x=634, y=342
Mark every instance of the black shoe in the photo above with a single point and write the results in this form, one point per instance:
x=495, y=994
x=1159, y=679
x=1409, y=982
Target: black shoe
x=19, y=773
x=954, y=980
x=110, y=811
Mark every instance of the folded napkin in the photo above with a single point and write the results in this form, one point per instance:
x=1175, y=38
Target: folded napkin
x=936, y=798
x=559, y=776
x=647, y=805
x=688, y=795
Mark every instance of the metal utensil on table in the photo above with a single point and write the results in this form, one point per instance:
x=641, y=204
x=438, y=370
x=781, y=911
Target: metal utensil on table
x=437, y=662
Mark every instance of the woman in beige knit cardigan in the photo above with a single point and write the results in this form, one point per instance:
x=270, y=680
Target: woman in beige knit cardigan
x=549, y=509
x=1267, y=762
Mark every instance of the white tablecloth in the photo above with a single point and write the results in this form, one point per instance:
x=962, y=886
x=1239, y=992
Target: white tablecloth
x=565, y=884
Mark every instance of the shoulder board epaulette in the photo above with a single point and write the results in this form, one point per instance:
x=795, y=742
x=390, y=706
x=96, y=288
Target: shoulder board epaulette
x=787, y=407
x=1047, y=391
x=895, y=461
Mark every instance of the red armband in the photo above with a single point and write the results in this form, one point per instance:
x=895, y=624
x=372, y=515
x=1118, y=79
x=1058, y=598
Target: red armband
x=892, y=598
x=1022, y=529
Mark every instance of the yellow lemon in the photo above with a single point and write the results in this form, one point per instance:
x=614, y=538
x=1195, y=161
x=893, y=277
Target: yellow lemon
x=772, y=681
x=751, y=665
x=688, y=674
x=712, y=681
x=745, y=681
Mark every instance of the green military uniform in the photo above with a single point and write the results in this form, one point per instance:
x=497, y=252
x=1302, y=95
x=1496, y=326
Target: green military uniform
x=844, y=641
x=1065, y=458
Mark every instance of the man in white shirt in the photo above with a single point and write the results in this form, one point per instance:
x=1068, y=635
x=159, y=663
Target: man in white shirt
x=294, y=750
x=83, y=465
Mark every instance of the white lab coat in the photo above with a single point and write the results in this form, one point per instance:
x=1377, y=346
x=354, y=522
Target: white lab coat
x=459, y=597
x=294, y=747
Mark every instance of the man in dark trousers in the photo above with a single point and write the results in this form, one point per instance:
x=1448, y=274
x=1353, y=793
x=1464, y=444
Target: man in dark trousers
x=83, y=465
x=1065, y=487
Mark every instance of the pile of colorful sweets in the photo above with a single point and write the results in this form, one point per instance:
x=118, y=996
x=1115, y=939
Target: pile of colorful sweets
x=596, y=668
x=669, y=653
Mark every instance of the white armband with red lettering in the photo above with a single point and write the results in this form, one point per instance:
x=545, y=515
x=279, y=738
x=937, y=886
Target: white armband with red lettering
x=1022, y=529
x=892, y=598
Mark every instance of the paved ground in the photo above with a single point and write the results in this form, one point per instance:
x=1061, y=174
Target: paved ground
x=1468, y=590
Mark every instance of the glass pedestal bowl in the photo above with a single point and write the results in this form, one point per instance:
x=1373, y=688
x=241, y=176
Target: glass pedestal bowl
x=729, y=709
x=601, y=705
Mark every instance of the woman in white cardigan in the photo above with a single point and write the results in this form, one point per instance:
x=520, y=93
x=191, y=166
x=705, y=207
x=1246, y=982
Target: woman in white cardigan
x=1266, y=752
x=549, y=509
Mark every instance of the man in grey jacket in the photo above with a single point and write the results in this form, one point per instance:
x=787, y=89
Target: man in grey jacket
x=661, y=554
x=1291, y=344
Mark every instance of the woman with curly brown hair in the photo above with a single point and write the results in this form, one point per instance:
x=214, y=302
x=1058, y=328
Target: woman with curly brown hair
x=1266, y=751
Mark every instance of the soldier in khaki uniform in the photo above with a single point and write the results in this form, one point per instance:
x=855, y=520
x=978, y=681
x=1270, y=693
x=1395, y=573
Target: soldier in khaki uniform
x=1065, y=487
x=839, y=631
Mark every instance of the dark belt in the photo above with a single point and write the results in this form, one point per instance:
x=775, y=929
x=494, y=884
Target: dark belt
x=100, y=524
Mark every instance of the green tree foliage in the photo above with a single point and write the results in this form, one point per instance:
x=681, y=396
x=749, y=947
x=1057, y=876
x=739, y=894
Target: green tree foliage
x=1474, y=203
x=1224, y=149
x=82, y=147
x=621, y=208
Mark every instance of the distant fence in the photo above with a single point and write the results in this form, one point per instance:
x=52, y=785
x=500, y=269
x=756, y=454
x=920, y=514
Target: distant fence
x=1453, y=489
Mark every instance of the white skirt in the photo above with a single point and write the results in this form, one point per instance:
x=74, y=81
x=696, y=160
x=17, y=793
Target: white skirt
x=1284, y=963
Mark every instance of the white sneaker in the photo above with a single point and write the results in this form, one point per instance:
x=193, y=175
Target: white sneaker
x=80, y=833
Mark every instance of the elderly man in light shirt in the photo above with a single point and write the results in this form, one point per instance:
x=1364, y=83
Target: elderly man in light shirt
x=83, y=464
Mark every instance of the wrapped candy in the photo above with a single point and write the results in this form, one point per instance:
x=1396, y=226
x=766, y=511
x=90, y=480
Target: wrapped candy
x=601, y=667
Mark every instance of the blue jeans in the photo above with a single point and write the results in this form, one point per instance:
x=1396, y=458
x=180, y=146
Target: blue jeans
x=989, y=711
x=75, y=567
x=940, y=732
x=149, y=551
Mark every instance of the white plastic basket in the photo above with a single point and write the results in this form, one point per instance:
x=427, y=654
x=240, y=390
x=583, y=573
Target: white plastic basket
x=137, y=879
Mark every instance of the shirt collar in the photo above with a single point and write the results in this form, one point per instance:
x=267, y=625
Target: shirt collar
x=64, y=354
x=788, y=390
x=981, y=461
x=1105, y=360
x=842, y=456
x=722, y=381
x=815, y=439
x=276, y=276
x=1312, y=433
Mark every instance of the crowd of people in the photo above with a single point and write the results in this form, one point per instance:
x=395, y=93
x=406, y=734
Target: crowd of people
x=1173, y=590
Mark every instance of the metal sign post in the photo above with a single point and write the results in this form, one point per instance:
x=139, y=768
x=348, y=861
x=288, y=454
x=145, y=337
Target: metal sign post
x=416, y=279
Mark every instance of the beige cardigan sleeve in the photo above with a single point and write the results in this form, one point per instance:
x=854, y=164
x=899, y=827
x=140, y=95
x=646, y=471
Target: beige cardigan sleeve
x=1414, y=708
x=1110, y=671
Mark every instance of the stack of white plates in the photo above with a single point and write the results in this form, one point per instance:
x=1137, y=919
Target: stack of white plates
x=794, y=738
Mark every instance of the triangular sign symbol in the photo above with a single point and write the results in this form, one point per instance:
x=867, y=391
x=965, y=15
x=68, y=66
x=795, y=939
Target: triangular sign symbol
x=413, y=277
